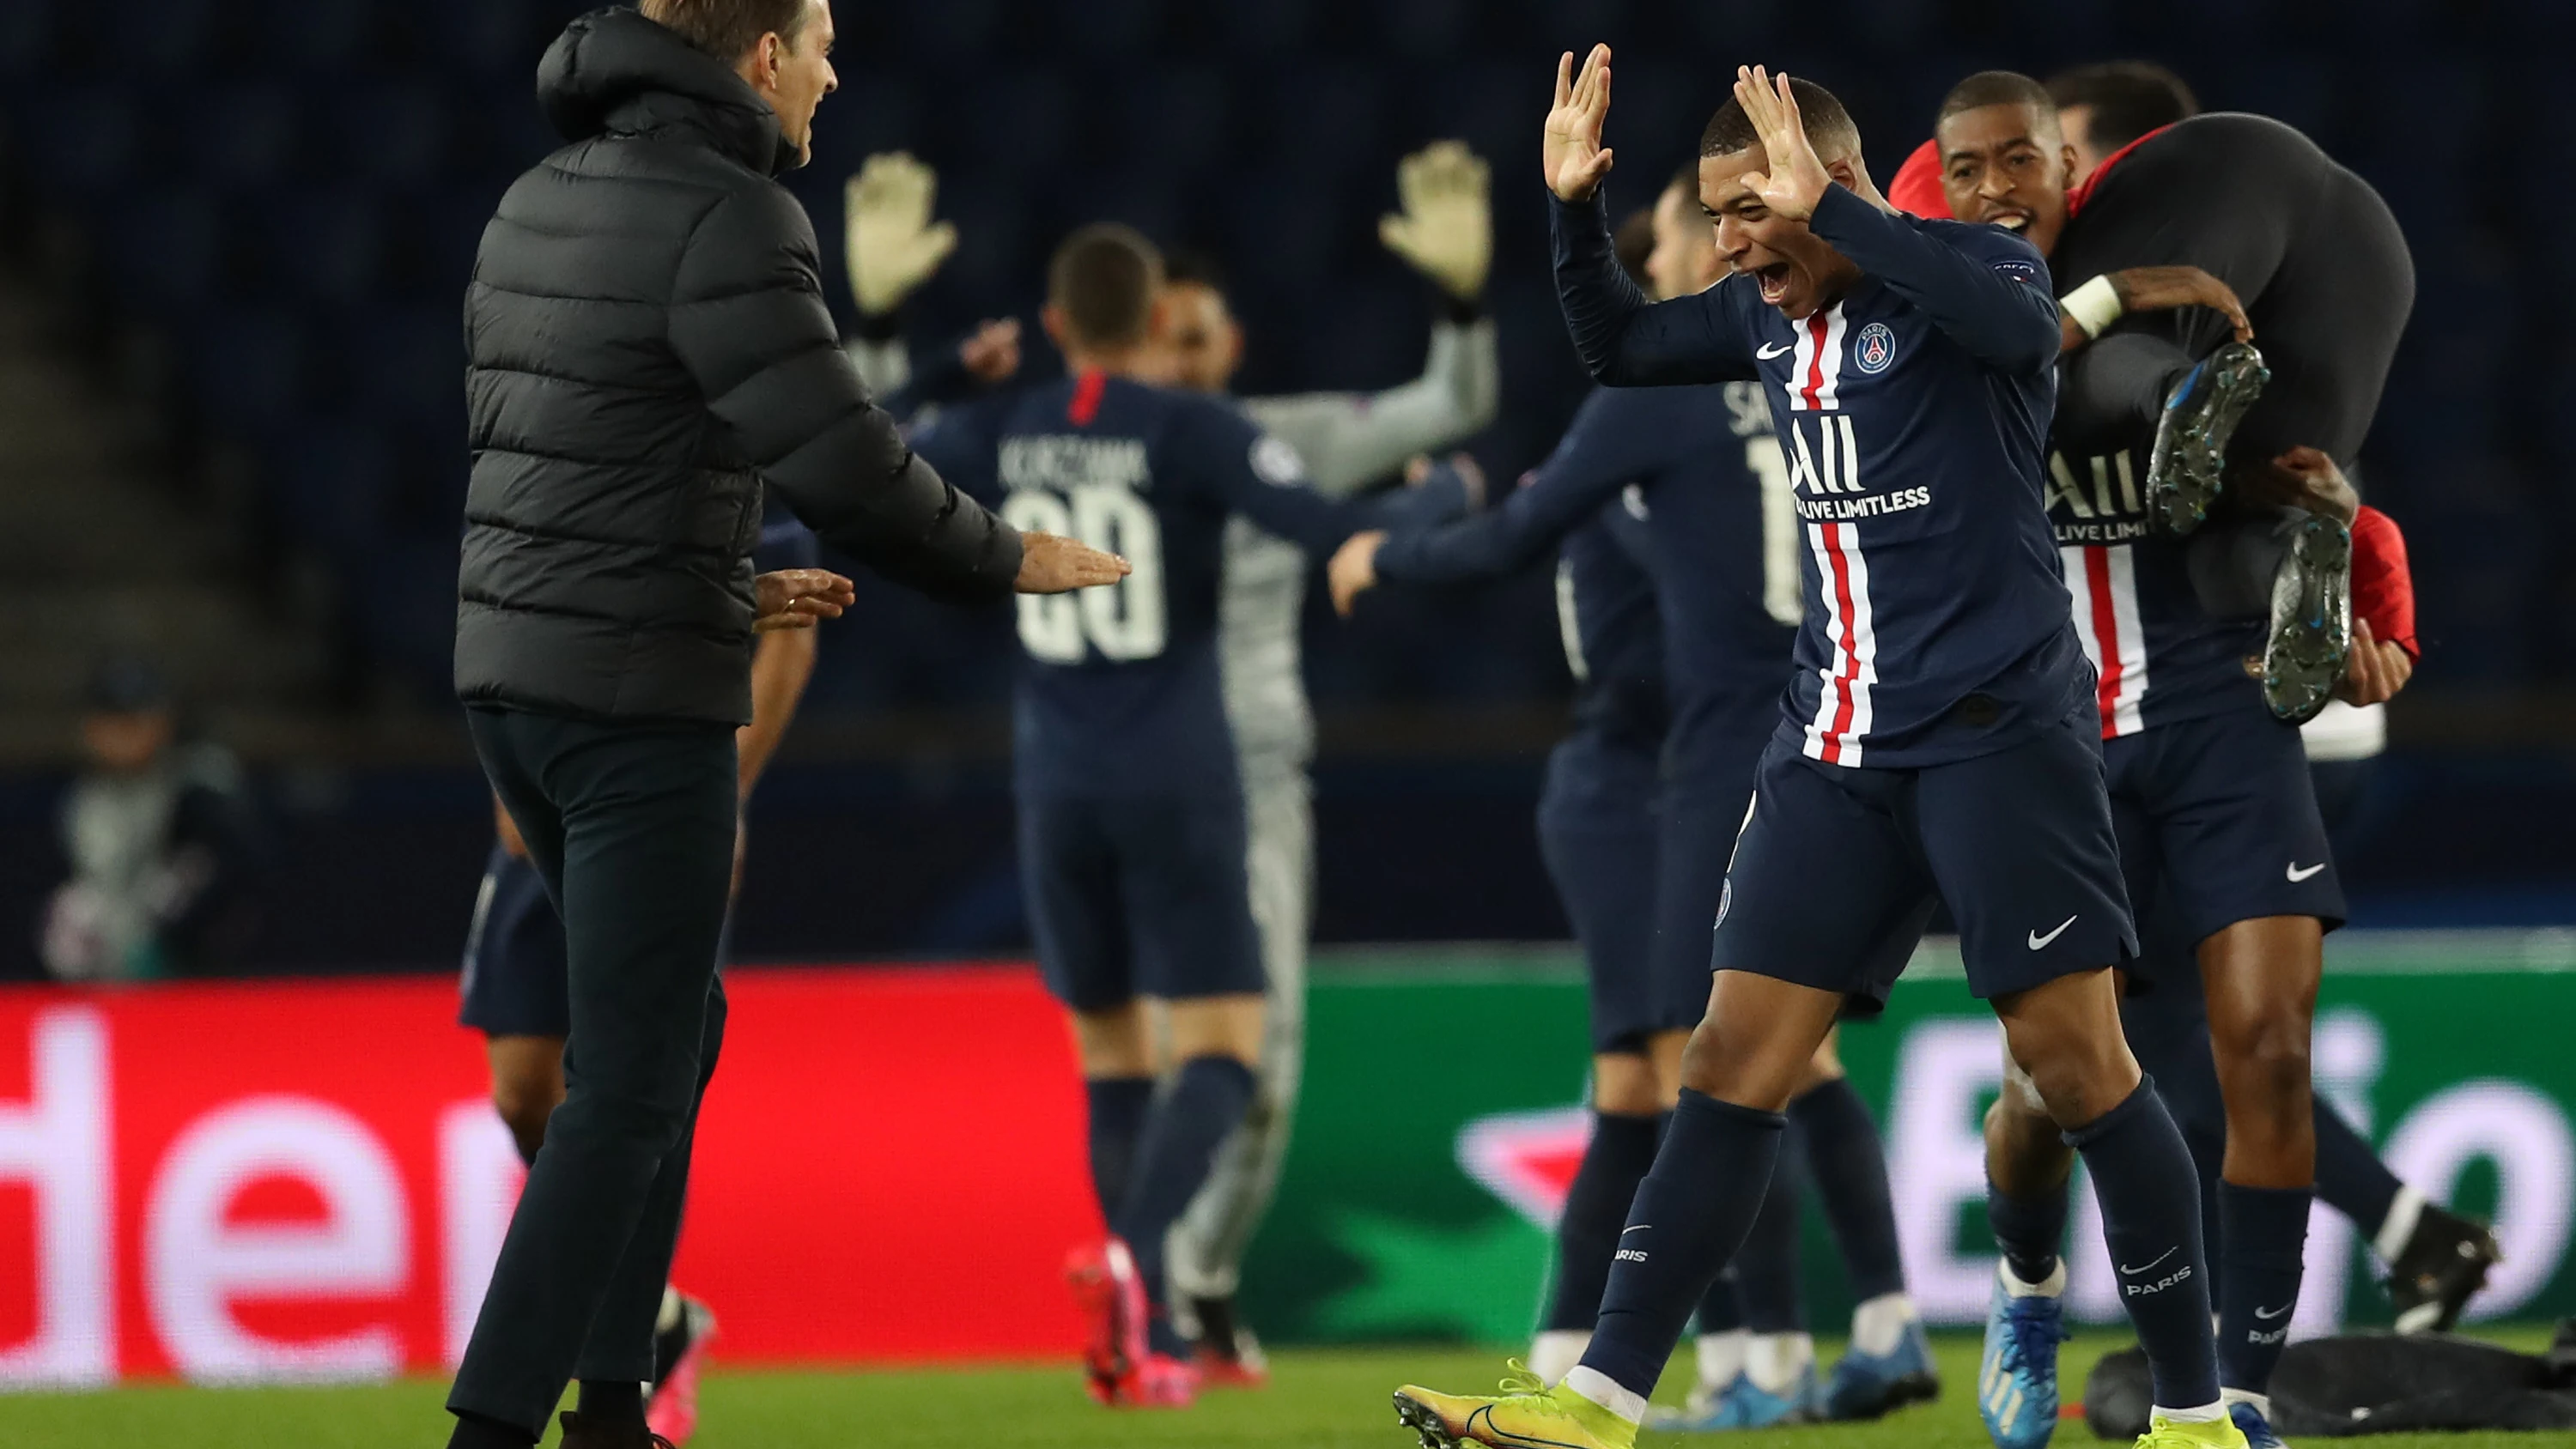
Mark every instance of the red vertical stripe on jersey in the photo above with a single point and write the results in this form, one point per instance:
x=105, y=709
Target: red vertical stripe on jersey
x=1839, y=536
x=2106, y=635
x=1086, y=398
x=1816, y=328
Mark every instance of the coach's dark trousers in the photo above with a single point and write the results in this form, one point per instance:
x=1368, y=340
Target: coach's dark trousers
x=632, y=826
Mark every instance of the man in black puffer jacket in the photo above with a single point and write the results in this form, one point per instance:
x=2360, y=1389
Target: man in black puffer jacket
x=648, y=343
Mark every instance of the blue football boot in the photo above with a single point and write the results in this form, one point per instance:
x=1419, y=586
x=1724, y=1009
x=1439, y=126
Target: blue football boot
x=2257, y=1429
x=2189, y=464
x=1743, y=1404
x=2017, y=1378
x=1867, y=1385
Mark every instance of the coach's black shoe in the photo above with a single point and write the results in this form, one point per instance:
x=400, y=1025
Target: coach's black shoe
x=630, y=1435
x=2444, y=1264
x=2201, y=413
x=2309, y=643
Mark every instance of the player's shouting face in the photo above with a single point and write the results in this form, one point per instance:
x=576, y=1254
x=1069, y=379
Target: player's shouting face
x=2007, y=166
x=1797, y=272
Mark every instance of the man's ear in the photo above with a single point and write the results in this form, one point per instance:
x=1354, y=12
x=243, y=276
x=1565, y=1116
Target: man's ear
x=2066, y=154
x=1059, y=328
x=1847, y=173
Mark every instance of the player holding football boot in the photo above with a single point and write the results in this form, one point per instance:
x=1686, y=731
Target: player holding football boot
x=514, y=988
x=2217, y=815
x=1705, y=488
x=1938, y=739
x=1132, y=836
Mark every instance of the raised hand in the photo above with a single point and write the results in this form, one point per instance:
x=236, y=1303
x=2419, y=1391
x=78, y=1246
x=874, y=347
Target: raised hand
x=1574, y=156
x=893, y=244
x=1797, y=179
x=1053, y=564
x=800, y=598
x=1446, y=230
x=991, y=353
x=2378, y=669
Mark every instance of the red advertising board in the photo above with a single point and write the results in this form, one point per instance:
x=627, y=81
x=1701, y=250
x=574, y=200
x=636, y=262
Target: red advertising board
x=305, y=1180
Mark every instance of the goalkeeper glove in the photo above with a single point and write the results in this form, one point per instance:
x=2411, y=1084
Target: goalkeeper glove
x=894, y=246
x=1446, y=230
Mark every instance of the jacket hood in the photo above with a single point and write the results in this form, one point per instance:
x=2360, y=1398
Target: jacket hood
x=615, y=71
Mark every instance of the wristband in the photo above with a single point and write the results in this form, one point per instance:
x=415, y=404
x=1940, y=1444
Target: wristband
x=2094, y=306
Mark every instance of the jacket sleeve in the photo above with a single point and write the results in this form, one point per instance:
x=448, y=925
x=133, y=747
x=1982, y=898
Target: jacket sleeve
x=1623, y=339
x=1350, y=439
x=749, y=324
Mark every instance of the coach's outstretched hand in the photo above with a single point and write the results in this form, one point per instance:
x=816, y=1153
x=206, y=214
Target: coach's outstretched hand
x=800, y=598
x=1575, y=158
x=1796, y=180
x=1446, y=230
x=893, y=244
x=1053, y=564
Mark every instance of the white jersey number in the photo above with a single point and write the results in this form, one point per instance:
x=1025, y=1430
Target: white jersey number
x=1123, y=621
x=1783, y=592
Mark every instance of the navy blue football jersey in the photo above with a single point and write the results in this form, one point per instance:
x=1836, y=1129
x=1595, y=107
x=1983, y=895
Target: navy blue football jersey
x=1614, y=639
x=1696, y=469
x=1913, y=413
x=1119, y=689
x=2158, y=656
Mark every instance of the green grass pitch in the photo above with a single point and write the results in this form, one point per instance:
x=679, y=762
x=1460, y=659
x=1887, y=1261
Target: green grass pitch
x=1321, y=1399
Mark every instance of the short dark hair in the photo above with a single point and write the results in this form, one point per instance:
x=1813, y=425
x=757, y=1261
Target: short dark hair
x=1997, y=88
x=2128, y=99
x=728, y=29
x=1189, y=267
x=1829, y=126
x=1634, y=242
x=1104, y=277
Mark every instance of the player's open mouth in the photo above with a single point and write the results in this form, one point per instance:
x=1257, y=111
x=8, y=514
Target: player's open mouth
x=2009, y=220
x=1774, y=281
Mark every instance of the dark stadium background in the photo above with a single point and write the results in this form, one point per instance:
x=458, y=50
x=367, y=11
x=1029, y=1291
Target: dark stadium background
x=250, y=222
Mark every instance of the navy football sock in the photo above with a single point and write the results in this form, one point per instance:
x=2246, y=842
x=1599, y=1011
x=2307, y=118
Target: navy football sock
x=1208, y=1098
x=2030, y=1230
x=2151, y=1221
x=1848, y=1165
x=1596, y=1207
x=2264, y=1239
x=1766, y=1267
x=1691, y=1214
x=1118, y=1107
x=2350, y=1177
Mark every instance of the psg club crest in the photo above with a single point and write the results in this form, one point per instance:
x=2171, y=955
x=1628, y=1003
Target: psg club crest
x=1875, y=349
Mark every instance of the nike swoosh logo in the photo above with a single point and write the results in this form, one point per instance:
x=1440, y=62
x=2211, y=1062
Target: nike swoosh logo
x=1769, y=350
x=2275, y=1313
x=2297, y=875
x=2150, y=1263
x=2038, y=941
x=1639, y=1228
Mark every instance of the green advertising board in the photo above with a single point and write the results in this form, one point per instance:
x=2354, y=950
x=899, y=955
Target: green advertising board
x=1442, y=1117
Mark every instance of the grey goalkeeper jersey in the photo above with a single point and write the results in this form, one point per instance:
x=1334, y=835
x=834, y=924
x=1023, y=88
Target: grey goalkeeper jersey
x=1347, y=439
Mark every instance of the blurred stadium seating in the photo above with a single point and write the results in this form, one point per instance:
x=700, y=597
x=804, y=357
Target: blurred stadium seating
x=285, y=195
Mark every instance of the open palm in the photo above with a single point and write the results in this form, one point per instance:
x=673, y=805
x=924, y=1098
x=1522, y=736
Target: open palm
x=1796, y=180
x=1574, y=156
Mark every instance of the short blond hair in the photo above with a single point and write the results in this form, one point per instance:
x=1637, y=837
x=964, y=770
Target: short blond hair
x=728, y=29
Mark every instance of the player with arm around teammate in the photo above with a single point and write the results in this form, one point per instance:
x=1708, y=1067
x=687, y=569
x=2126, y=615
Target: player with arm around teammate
x=1937, y=739
x=1131, y=827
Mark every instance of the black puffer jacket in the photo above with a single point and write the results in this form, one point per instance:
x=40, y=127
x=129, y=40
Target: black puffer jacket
x=647, y=341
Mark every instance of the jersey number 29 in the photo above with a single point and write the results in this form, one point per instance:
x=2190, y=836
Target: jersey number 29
x=1124, y=621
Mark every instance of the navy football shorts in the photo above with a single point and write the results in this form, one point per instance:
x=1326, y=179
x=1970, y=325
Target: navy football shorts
x=1705, y=795
x=1838, y=868
x=514, y=981
x=1597, y=829
x=1137, y=897
x=2218, y=823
